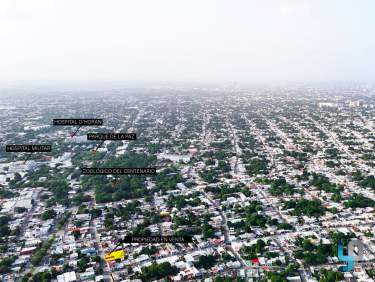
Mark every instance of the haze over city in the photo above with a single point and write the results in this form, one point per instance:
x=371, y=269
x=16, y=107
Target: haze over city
x=173, y=141
x=187, y=41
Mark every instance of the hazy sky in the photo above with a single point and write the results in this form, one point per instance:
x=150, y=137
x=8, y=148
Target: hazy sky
x=187, y=40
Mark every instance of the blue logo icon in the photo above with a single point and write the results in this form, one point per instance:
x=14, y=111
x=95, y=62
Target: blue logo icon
x=355, y=253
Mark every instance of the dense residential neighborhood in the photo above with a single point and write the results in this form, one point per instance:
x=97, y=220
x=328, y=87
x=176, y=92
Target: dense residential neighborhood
x=265, y=181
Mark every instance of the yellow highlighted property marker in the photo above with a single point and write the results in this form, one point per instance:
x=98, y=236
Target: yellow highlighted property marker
x=114, y=255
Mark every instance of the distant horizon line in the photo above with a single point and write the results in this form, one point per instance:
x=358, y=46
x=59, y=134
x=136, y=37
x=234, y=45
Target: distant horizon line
x=166, y=84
